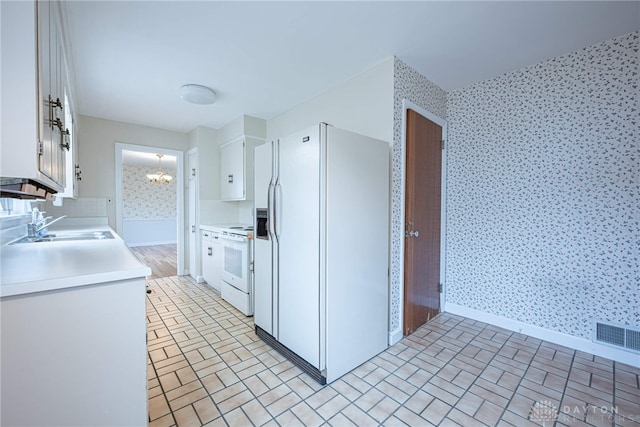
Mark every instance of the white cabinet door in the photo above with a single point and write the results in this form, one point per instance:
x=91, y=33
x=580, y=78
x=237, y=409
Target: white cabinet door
x=207, y=255
x=52, y=76
x=217, y=261
x=82, y=366
x=232, y=168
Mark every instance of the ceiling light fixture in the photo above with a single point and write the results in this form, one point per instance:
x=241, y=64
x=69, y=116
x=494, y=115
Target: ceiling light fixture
x=197, y=94
x=159, y=176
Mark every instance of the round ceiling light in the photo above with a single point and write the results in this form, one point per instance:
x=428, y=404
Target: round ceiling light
x=197, y=94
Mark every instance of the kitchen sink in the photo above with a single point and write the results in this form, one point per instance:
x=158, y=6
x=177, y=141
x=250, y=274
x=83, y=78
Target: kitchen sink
x=67, y=236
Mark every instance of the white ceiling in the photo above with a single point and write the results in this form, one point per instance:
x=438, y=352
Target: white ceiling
x=263, y=58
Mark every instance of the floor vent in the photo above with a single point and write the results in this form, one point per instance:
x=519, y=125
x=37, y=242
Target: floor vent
x=618, y=335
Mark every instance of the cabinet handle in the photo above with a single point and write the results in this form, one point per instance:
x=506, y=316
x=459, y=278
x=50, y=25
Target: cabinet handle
x=78, y=173
x=193, y=171
x=52, y=107
x=231, y=179
x=193, y=228
x=64, y=139
x=55, y=104
x=57, y=123
x=209, y=251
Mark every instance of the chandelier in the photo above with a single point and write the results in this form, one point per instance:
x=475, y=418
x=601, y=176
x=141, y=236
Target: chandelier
x=159, y=176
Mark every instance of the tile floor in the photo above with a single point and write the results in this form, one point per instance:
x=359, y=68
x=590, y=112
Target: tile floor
x=207, y=367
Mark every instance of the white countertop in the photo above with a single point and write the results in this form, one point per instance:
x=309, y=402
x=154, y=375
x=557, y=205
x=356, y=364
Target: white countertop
x=45, y=266
x=229, y=227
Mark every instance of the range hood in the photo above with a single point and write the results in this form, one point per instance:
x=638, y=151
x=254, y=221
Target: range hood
x=25, y=188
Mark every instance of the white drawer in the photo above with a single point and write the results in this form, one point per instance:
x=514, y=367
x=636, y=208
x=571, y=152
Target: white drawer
x=238, y=299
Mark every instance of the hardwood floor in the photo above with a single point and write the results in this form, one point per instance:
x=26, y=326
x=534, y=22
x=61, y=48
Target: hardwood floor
x=162, y=259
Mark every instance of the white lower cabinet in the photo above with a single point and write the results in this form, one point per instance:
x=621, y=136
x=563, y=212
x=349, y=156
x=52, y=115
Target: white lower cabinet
x=75, y=356
x=211, y=258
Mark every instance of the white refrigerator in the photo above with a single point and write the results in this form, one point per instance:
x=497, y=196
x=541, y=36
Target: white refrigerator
x=321, y=252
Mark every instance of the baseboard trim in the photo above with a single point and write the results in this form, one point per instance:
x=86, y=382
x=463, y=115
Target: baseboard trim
x=395, y=336
x=555, y=337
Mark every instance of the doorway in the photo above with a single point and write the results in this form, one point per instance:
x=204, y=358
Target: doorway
x=423, y=217
x=150, y=226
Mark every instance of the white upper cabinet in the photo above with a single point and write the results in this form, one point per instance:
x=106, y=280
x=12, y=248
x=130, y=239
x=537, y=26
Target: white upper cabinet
x=236, y=168
x=36, y=135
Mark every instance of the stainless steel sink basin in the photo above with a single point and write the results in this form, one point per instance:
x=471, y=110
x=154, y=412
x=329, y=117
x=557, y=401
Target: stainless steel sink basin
x=67, y=236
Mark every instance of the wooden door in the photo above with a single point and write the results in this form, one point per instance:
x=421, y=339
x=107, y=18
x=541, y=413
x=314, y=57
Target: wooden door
x=422, y=221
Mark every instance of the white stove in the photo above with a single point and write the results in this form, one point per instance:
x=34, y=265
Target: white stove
x=237, y=280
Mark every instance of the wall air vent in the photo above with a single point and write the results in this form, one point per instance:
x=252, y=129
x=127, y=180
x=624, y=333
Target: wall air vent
x=619, y=336
x=633, y=340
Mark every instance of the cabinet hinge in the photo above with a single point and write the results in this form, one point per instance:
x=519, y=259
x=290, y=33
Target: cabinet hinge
x=40, y=149
x=440, y=288
x=442, y=144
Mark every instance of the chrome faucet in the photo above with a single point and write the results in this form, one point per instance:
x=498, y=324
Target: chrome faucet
x=36, y=227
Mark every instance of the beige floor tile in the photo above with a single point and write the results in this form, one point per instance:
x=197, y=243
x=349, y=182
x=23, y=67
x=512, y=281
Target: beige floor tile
x=307, y=415
x=283, y=404
x=206, y=363
x=235, y=401
x=206, y=409
x=463, y=419
x=436, y=411
x=469, y=403
x=288, y=418
x=165, y=421
x=236, y=418
x=403, y=416
x=332, y=407
x=256, y=412
x=488, y=413
x=187, y=417
x=256, y=386
x=170, y=381
x=383, y=409
x=300, y=387
x=187, y=399
x=158, y=407
x=340, y=420
x=274, y=395
x=369, y=399
x=419, y=401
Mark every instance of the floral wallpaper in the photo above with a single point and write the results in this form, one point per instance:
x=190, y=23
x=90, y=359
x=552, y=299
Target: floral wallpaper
x=543, y=191
x=411, y=85
x=142, y=199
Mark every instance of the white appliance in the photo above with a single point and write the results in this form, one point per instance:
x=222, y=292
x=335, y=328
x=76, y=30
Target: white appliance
x=236, y=279
x=321, y=251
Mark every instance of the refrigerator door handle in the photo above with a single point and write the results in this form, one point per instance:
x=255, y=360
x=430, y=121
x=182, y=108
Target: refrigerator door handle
x=276, y=204
x=270, y=190
x=276, y=195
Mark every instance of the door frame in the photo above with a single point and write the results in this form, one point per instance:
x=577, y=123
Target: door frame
x=195, y=257
x=408, y=105
x=120, y=147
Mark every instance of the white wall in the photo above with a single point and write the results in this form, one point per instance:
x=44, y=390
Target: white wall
x=206, y=140
x=96, y=142
x=212, y=209
x=363, y=104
